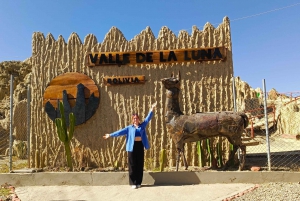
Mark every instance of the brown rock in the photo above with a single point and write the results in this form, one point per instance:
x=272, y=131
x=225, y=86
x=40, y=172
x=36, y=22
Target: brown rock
x=255, y=168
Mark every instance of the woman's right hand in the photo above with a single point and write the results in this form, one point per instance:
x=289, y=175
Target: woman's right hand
x=106, y=136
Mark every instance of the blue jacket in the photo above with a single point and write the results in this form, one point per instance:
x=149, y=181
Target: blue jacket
x=129, y=131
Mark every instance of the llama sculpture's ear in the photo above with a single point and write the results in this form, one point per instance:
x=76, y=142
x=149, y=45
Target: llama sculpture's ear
x=178, y=76
x=172, y=75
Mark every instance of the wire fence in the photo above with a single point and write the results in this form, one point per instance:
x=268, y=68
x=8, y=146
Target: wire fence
x=272, y=140
x=14, y=136
x=4, y=134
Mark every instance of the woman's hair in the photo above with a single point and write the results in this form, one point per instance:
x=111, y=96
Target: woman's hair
x=134, y=115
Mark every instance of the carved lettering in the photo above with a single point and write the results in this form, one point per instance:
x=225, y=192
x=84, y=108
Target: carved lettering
x=196, y=55
x=186, y=57
x=217, y=53
x=205, y=54
x=161, y=57
x=124, y=80
x=103, y=59
x=110, y=59
x=156, y=57
x=149, y=57
x=126, y=59
x=140, y=57
x=172, y=56
x=93, y=59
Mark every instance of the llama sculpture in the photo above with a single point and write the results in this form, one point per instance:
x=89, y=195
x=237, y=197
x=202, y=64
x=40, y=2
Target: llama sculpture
x=199, y=126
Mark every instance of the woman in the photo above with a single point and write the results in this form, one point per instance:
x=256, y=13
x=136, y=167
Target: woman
x=136, y=141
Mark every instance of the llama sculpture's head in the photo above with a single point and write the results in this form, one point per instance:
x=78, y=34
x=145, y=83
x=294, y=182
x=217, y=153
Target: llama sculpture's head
x=172, y=84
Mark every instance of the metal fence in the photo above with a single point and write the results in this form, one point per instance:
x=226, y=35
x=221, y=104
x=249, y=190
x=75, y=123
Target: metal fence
x=15, y=134
x=272, y=137
x=4, y=136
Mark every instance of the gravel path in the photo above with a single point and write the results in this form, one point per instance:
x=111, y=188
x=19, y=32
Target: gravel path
x=270, y=192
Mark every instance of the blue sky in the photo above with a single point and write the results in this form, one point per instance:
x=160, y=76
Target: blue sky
x=265, y=34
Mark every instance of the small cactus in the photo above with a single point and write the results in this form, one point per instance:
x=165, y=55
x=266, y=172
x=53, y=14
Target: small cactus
x=209, y=151
x=199, y=152
x=162, y=159
x=231, y=162
x=65, y=134
x=219, y=152
x=116, y=165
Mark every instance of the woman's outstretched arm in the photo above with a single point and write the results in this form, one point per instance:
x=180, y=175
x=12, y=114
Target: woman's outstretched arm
x=121, y=132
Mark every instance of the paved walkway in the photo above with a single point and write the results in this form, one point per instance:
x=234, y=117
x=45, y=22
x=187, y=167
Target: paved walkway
x=157, y=186
x=207, y=192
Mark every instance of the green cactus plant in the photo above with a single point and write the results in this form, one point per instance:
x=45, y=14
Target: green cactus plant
x=162, y=160
x=209, y=151
x=199, y=152
x=116, y=165
x=65, y=134
x=219, y=152
x=231, y=163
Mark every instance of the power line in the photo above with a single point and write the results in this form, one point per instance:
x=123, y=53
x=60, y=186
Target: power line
x=246, y=17
x=277, y=9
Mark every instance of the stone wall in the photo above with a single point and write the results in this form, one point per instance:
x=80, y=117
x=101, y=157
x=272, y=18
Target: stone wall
x=205, y=86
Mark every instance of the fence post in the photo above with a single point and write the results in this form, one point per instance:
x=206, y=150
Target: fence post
x=235, y=109
x=28, y=123
x=11, y=121
x=252, y=129
x=267, y=126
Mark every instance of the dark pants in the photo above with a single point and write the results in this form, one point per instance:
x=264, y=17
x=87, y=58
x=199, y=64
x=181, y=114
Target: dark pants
x=136, y=163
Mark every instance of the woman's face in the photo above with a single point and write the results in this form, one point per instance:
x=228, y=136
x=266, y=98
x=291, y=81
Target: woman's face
x=135, y=119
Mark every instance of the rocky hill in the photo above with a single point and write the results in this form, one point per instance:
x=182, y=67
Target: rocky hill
x=21, y=71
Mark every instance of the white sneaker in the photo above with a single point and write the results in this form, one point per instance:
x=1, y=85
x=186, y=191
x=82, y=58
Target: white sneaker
x=138, y=186
x=133, y=186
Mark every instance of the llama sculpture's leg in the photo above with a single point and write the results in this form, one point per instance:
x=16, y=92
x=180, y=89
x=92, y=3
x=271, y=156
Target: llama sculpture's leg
x=179, y=152
x=184, y=160
x=242, y=157
x=178, y=159
x=231, y=157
